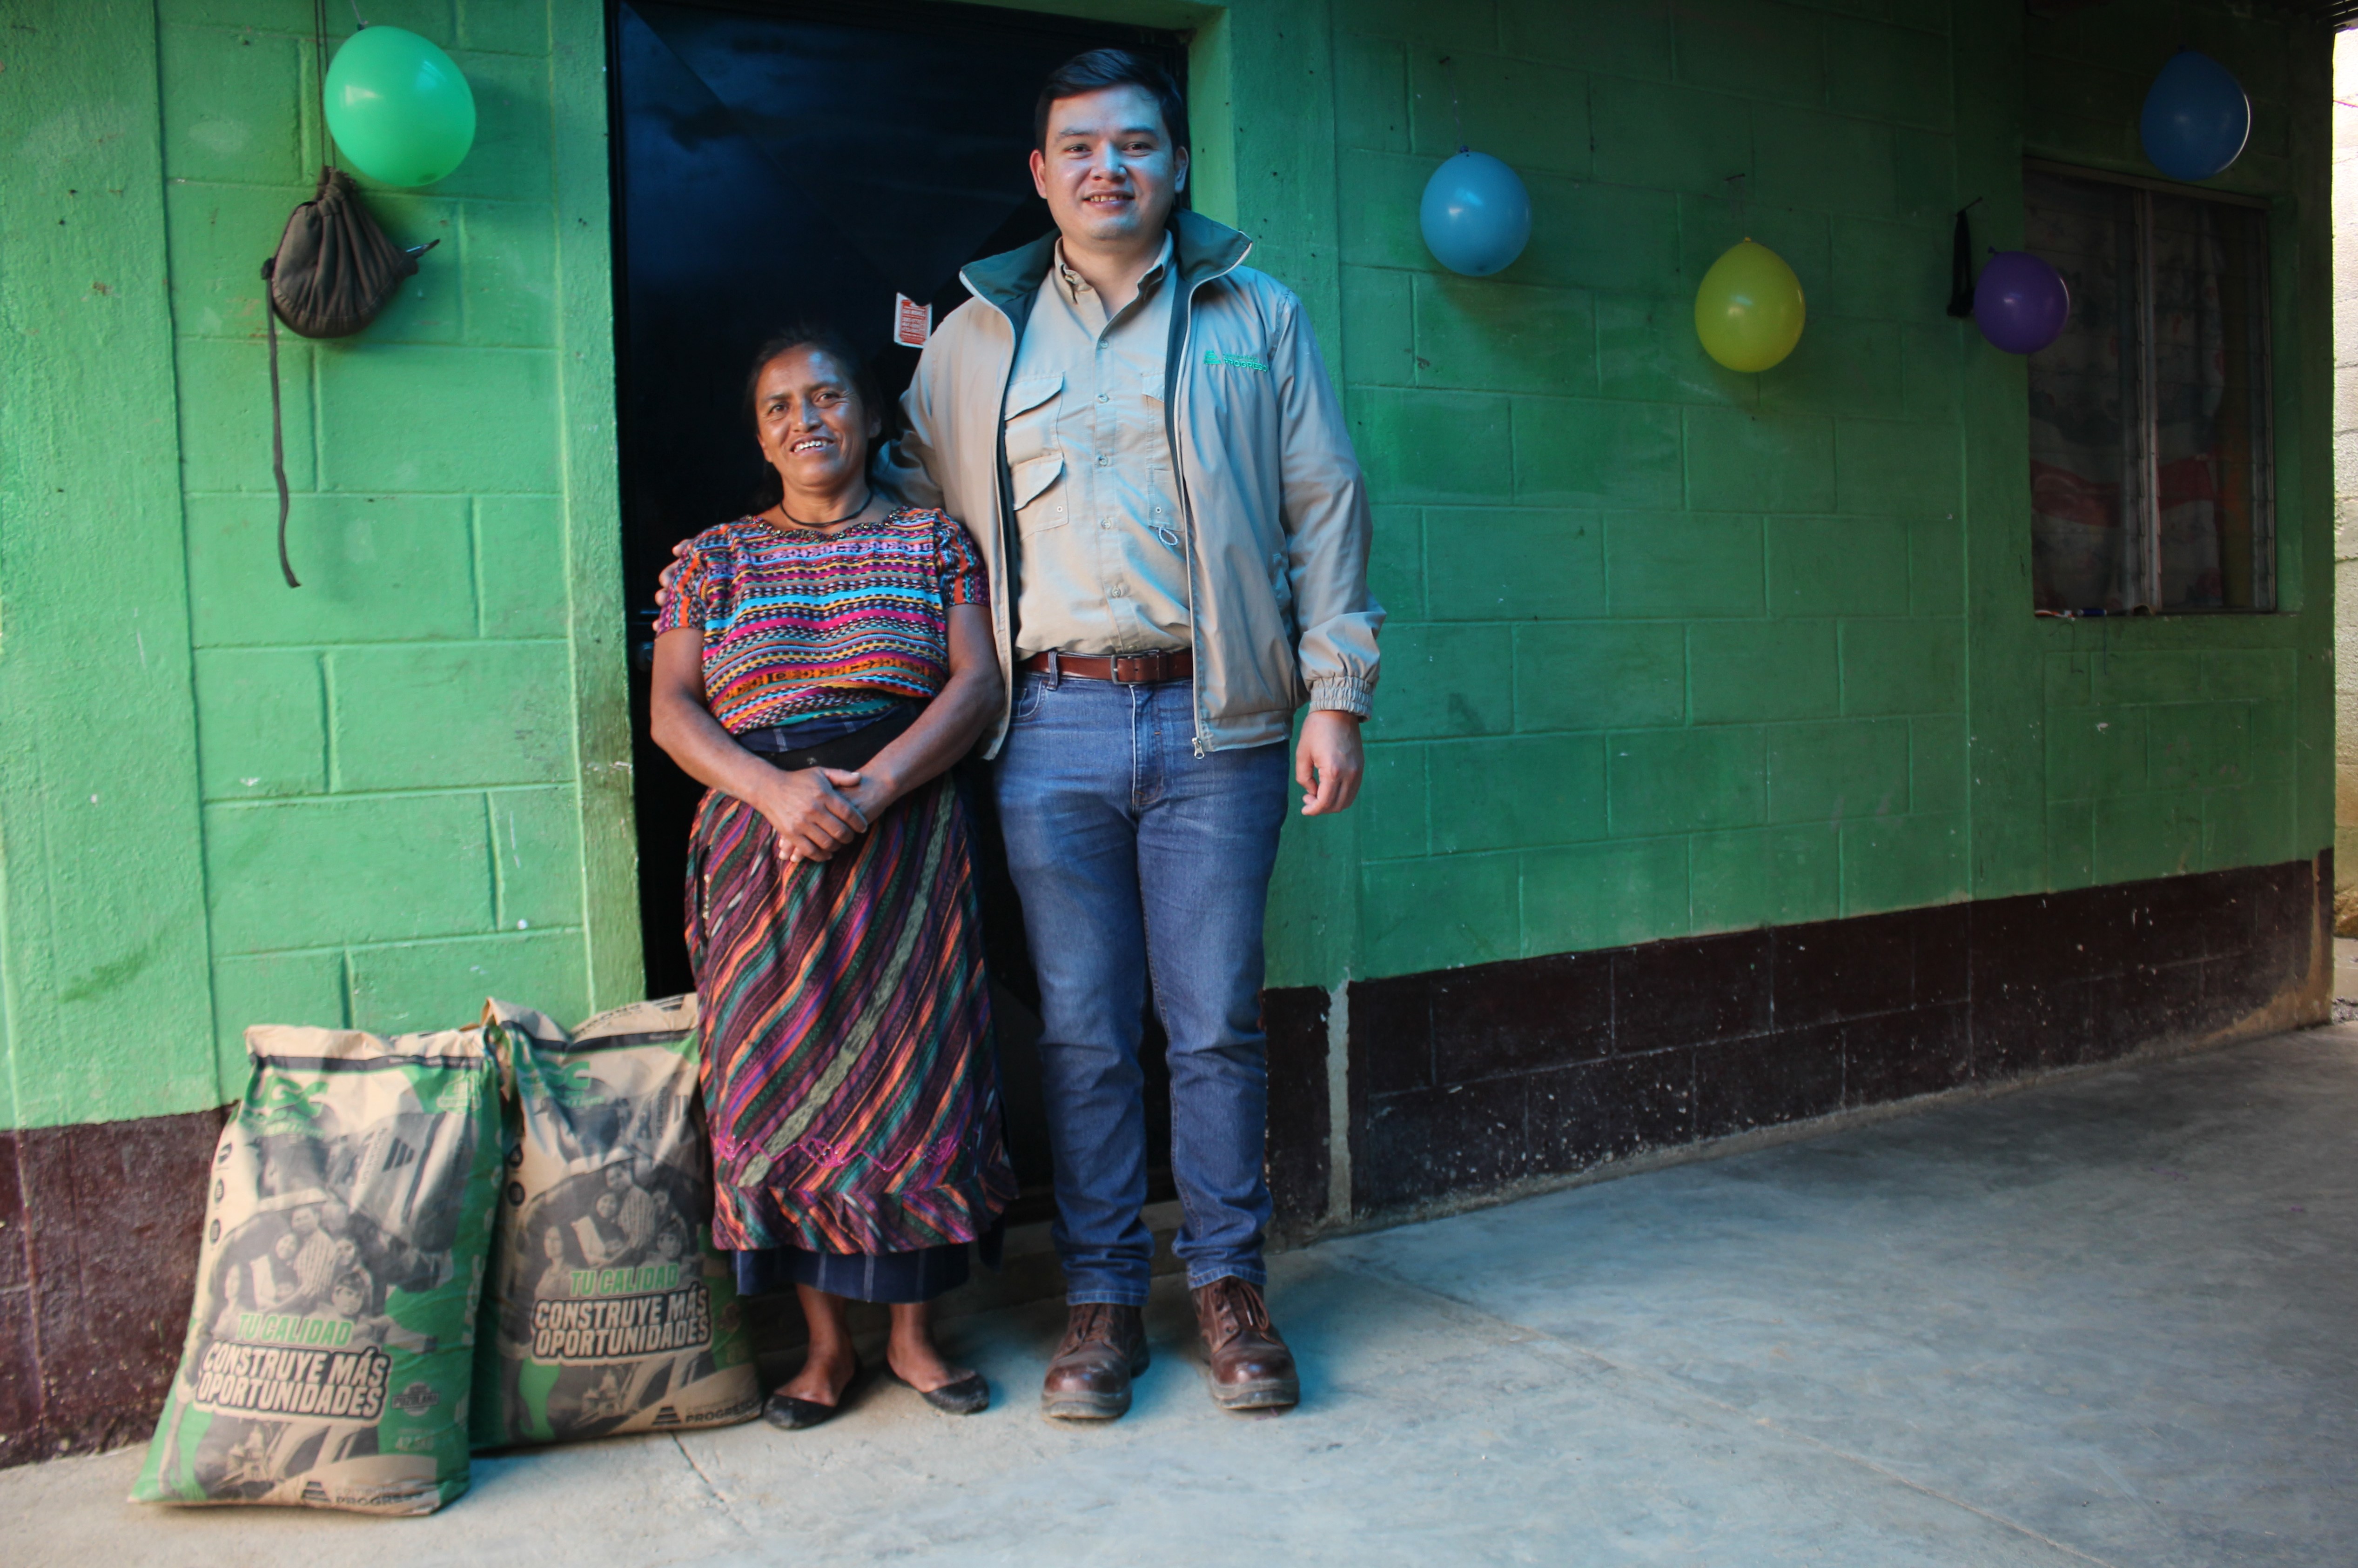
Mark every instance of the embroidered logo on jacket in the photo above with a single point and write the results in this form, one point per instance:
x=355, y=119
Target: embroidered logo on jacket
x=1235, y=361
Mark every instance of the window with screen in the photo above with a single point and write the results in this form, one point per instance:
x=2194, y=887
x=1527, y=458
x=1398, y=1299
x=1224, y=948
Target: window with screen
x=2150, y=477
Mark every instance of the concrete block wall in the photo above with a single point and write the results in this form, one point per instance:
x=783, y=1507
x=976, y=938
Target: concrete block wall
x=2168, y=762
x=1673, y=649
x=374, y=799
x=2345, y=475
x=393, y=811
x=1676, y=650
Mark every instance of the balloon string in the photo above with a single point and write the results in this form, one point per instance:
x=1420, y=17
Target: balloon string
x=1449, y=64
x=320, y=68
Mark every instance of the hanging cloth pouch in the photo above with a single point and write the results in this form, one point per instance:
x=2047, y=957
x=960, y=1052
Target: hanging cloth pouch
x=333, y=271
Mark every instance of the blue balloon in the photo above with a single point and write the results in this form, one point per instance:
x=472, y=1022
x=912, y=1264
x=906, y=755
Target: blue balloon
x=2196, y=117
x=1476, y=215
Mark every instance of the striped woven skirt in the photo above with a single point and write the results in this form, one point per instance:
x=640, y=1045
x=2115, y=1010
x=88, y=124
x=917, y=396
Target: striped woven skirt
x=850, y=1083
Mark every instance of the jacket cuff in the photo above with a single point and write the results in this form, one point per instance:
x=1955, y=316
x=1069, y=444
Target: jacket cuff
x=1342, y=694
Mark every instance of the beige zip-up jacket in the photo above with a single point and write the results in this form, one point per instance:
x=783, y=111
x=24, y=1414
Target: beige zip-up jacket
x=1269, y=489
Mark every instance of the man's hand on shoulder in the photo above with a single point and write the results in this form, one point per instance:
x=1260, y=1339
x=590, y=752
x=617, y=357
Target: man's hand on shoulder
x=1327, y=764
x=670, y=574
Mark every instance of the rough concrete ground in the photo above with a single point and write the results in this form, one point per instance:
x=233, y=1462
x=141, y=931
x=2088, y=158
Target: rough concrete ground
x=2100, y=1321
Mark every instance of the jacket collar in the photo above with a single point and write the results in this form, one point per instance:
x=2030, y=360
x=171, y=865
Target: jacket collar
x=1204, y=250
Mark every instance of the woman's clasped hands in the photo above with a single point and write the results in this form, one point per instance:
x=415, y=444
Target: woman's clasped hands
x=812, y=812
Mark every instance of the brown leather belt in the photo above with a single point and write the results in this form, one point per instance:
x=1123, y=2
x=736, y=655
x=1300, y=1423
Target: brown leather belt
x=1129, y=669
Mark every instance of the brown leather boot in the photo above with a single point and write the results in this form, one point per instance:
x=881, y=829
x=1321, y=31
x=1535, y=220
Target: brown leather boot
x=1104, y=1348
x=1252, y=1368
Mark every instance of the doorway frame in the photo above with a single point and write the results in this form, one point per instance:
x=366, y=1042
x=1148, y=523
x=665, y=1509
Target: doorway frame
x=614, y=877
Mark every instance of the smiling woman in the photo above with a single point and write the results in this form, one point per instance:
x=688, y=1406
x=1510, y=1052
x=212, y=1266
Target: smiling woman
x=820, y=666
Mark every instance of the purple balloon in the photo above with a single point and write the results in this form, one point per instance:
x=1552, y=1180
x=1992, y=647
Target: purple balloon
x=2021, y=303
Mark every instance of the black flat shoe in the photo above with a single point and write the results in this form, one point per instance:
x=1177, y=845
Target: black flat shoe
x=971, y=1395
x=790, y=1414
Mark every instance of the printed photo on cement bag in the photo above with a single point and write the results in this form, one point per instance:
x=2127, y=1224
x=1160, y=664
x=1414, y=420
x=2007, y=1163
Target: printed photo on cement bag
x=347, y=1224
x=607, y=1310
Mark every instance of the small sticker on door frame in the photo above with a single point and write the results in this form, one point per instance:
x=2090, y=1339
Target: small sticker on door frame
x=912, y=323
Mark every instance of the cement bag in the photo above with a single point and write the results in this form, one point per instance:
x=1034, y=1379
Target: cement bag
x=346, y=1230
x=608, y=1311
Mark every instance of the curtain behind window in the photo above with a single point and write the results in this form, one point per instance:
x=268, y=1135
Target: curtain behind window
x=2149, y=462
x=2086, y=468
x=2206, y=314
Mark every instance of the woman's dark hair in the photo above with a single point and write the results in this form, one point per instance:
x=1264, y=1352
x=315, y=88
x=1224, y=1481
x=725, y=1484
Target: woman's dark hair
x=1100, y=69
x=823, y=337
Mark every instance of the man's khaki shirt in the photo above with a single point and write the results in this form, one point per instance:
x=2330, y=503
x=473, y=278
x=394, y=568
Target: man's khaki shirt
x=1102, y=567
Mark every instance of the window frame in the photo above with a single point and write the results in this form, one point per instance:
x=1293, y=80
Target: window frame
x=2147, y=538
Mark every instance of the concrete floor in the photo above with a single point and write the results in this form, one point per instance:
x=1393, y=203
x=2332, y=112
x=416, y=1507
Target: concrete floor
x=2101, y=1321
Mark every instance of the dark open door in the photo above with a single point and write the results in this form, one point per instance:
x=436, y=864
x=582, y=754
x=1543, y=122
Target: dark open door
x=782, y=161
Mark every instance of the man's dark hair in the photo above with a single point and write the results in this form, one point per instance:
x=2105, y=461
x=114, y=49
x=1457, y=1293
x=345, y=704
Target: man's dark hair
x=1100, y=69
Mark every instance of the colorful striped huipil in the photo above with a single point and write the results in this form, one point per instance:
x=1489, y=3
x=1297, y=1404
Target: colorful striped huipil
x=812, y=626
x=848, y=1076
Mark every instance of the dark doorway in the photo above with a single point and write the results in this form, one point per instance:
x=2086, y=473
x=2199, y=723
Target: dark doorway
x=782, y=161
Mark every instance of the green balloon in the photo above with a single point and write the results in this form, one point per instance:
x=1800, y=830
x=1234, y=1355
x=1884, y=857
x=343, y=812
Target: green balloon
x=1750, y=311
x=402, y=114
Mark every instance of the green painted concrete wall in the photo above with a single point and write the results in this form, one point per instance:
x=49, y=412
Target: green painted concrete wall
x=374, y=799
x=1673, y=649
x=2345, y=483
x=1678, y=650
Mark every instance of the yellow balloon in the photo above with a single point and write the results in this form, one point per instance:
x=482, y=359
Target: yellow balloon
x=1749, y=310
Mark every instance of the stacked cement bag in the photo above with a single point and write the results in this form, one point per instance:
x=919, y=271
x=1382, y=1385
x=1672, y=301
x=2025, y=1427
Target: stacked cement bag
x=347, y=1226
x=608, y=1311
x=334, y=1352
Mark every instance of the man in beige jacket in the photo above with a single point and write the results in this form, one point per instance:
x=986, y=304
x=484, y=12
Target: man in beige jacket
x=1138, y=431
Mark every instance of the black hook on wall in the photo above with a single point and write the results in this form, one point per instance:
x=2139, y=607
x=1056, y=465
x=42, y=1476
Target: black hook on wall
x=1961, y=265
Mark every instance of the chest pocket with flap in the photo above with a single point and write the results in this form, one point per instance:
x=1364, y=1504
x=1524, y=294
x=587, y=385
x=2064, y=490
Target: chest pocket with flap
x=1034, y=458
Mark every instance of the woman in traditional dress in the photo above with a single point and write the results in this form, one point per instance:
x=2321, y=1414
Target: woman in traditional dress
x=821, y=666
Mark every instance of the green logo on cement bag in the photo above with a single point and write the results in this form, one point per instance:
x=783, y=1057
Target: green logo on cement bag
x=608, y=1310
x=329, y=1353
x=285, y=1105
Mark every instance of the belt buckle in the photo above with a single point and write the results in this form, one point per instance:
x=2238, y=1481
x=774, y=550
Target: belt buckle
x=1126, y=669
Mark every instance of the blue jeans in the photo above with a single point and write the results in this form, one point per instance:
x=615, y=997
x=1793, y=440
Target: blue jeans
x=1135, y=858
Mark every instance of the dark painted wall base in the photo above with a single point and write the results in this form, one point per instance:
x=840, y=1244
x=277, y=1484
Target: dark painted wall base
x=1462, y=1082
x=98, y=1264
x=1468, y=1080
